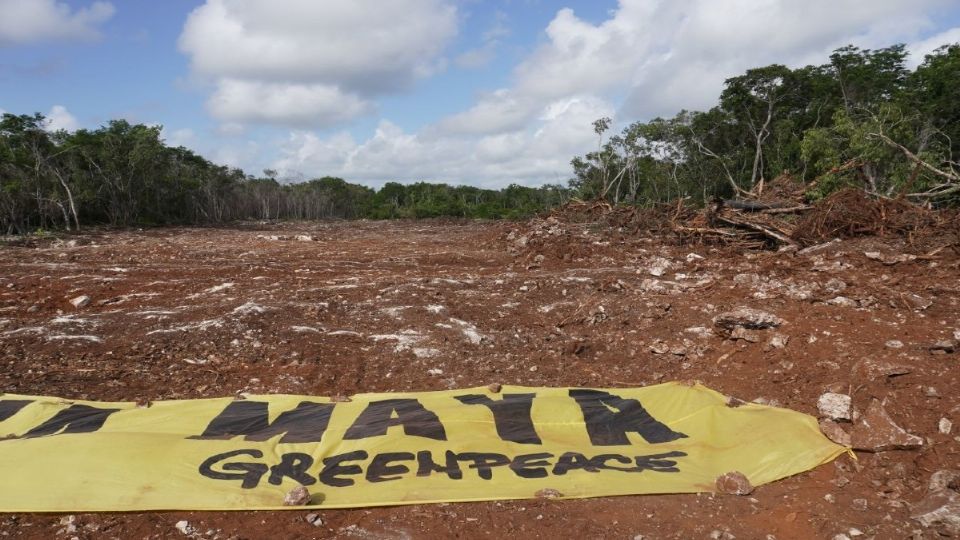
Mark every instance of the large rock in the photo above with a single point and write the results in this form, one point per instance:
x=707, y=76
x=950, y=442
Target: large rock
x=941, y=507
x=834, y=432
x=744, y=317
x=875, y=431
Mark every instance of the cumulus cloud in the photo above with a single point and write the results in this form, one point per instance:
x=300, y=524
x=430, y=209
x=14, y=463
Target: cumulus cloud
x=33, y=21
x=316, y=105
x=922, y=48
x=537, y=154
x=60, y=118
x=182, y=137
x=266, y=57
x=647, y=58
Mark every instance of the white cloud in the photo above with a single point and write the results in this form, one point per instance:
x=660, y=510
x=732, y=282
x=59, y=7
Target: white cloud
x=476, y=58
x=660, y=56
x=502, y=110
x=182, y=137
x=316, y=105
x=60, y=118
x=920, y=49
x=267, y=56
x=648, y=58
x=540, y=153
x=32, y=21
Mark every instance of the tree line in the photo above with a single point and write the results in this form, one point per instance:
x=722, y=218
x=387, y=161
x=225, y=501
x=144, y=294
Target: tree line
x=861, y=120
x=123, y=174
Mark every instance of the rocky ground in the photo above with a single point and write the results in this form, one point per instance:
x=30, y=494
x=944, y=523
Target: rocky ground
x=865, y=337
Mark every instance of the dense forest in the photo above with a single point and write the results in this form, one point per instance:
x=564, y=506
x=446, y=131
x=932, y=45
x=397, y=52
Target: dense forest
x=863, y=119
x=123, y=174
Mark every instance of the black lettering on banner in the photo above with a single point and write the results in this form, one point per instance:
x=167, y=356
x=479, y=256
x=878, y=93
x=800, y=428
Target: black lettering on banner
x=600, y=462
x=484, y=462
x=571, y=461
x=251, y=472
x=380, y=466
x=426, y=466
x=293, y=465
x=73, y=419
x=659, y=463
x=510, y=414
x=531, y=465
x=378, y=417
x=11, y=407
x=608, y=428
x=306, y=423
x=333, y=467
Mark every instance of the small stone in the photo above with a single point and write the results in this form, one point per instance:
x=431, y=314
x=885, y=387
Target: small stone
x=777, y=341
x=917, y=302
x=659, y=347
x=434, y=372
x=889, y=259
x=740, y=332
x=185, y=528
x=894, y=344
x=81, y=301
x=875, y=431
x=843, y=301
x=304, y=238
x=860, y=504
x=534, y=368
x=298, y=496
x=767, y=401
x=314, y=519
x=834, y=432
x=744, y=317
x=69, y=524
x=830, y=498
x=945, y=346
x=855, y=532
x=945, y=426
x=494, y=387
x=870, y=368
x=734, y=483
x=835, y=285
x=548, y=493
x=944, y=479
x=834, y=406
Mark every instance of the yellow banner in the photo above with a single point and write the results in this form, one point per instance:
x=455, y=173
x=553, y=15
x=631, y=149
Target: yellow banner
x=384, y=449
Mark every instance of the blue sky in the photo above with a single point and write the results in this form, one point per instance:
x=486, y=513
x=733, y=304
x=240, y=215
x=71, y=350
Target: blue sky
x=485, y=93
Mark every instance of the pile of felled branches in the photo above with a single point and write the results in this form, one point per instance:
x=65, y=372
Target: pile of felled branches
x=766, y=220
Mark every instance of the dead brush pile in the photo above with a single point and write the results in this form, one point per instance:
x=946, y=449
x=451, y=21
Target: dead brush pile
x=776, y=216
x=851, y=213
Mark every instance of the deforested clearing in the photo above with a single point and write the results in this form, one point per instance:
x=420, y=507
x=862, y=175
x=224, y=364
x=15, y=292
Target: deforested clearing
x=434, y=305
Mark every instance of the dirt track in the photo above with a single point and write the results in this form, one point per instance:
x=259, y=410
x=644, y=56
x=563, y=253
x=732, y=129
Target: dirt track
x=389, y=306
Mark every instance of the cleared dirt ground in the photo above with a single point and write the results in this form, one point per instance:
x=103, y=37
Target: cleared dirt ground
x=390, y=306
